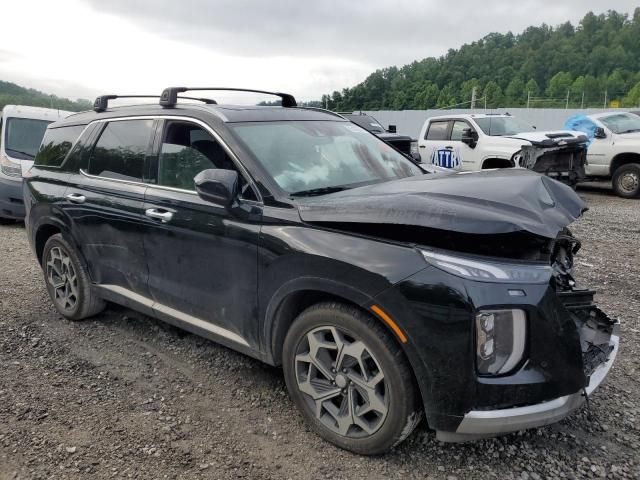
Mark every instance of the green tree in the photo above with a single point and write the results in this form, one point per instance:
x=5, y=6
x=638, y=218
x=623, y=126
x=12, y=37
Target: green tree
x=446, y=98
x=632, y=99
x=559, y=85
x=515, y=93
x=493, y=95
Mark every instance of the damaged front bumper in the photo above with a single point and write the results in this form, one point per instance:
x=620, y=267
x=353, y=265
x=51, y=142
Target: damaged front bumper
x=599, y=338
x=561, y=159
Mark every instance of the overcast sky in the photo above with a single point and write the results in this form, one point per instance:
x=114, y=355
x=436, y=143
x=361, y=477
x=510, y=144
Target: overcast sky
x=80, y=48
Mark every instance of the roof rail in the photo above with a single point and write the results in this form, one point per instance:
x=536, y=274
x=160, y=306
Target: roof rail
x=102, y=102
x=169, y=96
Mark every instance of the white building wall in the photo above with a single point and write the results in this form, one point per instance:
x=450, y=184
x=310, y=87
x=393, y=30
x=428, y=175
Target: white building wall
x=409, y=122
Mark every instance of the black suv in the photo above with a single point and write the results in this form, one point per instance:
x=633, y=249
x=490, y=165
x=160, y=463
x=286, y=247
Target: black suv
x=294, y=236
x=402, y=143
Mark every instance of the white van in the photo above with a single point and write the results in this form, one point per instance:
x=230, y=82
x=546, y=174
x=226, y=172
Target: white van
x=21, y=131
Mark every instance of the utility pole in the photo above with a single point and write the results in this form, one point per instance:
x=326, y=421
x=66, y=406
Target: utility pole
x=485, y=100
x=605, y=99
x=582, y=102
x=528, y=98
x=473, y=98
x=566, y=105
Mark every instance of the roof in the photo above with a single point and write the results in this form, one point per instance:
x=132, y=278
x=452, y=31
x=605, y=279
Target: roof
x=606, y=114
x=38, y=113
x=225, y=113
x=472, y=115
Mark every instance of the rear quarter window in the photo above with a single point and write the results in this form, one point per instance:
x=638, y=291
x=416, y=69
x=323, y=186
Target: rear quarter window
x=56, y=144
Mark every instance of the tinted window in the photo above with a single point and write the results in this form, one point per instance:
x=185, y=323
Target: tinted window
x=121, y=150
x=498, y=126
x=438, y=131
x=56, y=144
x=458, y=129
x=23, y=137
x=187, y=150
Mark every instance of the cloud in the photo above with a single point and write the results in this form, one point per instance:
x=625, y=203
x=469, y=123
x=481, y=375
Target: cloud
x=377, y=32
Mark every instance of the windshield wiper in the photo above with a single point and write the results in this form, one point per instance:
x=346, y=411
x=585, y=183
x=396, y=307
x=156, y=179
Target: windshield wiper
x=21, y=152
x=318, y=191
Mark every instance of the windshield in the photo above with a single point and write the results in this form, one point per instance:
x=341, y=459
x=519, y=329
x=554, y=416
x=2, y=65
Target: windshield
x=322, y=155
x=367, y=122
x=498, y=126
x=23, y=137
x=622, y=123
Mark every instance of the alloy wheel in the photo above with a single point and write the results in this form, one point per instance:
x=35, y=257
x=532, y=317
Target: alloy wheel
x=342, y=382
x=62, y=277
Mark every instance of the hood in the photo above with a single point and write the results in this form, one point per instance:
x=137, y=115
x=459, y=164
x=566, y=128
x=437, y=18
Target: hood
x=488, y=202
x=551, y=139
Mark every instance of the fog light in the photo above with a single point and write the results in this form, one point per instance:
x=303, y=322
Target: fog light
x=500, y=340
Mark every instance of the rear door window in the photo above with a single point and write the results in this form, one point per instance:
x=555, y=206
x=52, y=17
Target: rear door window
x=56, y=145
x=438, y=131
x=121, y=150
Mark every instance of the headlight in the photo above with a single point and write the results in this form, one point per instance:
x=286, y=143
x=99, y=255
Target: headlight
x=9, y=167
x=489, y=270
x=500, y=340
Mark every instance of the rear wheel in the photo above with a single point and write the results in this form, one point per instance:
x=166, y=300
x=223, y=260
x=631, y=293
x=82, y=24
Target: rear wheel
x=67, y=280
x=350, y=379
x=626, y=180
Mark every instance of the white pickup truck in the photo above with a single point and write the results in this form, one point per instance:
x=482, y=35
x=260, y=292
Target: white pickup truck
x=614, y=149
x=471, y=142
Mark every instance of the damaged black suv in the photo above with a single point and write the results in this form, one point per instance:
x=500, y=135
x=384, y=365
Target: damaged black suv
x=386, y=293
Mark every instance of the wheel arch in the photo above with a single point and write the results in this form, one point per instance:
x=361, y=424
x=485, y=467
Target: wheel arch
x=623, y=159
x=494, y=162
x=297, y=295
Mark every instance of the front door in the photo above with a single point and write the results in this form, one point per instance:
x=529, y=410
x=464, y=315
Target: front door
x=202, y=257
x=465, y=157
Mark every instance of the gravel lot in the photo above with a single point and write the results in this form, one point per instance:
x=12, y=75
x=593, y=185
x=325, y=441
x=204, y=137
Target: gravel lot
x=125, y=396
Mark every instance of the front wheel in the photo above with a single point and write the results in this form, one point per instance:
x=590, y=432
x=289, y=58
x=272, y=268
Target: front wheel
x=626, y=180
x=350, y=379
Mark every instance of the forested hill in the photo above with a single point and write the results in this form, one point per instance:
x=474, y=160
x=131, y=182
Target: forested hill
x=595, y=62
x=12, y=94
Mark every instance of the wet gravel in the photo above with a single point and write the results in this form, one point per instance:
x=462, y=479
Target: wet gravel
x=125, y=396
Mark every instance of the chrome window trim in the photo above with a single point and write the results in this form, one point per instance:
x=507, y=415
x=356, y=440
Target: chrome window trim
x=234, y=158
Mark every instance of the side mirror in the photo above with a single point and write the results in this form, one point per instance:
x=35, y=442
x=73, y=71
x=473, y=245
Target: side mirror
x=217, y=186
x=392, y=129
x=599, y=133
x=470, y=137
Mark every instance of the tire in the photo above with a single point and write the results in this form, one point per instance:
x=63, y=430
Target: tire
x=393, y=414
x=67, y=280
x=626, y=180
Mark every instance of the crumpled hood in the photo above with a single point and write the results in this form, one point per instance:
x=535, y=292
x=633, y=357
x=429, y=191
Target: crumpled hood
x=489, y=202
x=551, y=139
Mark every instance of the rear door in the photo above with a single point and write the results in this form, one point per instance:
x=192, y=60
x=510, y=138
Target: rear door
x=437, y=146
x=202, y=257
x=105, y=200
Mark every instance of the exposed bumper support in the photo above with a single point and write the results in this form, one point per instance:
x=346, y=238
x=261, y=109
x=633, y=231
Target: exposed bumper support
x=489, y=423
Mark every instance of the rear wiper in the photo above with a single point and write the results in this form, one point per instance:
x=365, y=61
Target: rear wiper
x=318, y=191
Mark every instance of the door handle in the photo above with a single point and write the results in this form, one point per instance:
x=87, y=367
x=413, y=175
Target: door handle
x=449, y=147
x=423, y=146
x=75, y=198
x=163, y=215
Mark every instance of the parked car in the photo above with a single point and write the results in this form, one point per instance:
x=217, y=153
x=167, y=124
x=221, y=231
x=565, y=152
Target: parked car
x=471, y=142
x=402, y=143
x=614, y=149
x=21, y=131
x=385, y=293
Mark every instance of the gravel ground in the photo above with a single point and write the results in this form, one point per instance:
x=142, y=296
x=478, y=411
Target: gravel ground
x=125, y=396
